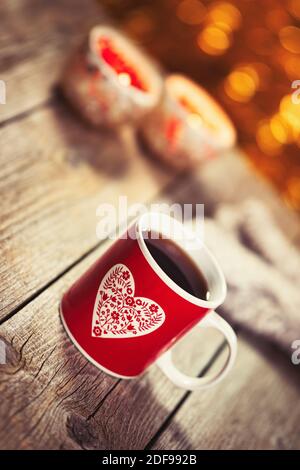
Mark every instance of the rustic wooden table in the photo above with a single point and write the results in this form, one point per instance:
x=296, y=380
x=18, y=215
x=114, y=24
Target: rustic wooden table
x=54, y=173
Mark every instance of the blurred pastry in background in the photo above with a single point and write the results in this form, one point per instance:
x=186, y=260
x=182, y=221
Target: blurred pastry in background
x=188, y=127
x=110, y=81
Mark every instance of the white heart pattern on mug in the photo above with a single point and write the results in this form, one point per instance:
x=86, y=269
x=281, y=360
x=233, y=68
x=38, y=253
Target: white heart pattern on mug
x=118, y=313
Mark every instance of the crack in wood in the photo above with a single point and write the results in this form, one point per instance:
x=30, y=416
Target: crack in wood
x=92, y=415
x=43, y=363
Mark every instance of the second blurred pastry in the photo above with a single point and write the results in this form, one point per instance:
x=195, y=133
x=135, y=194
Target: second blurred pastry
x=188, y=127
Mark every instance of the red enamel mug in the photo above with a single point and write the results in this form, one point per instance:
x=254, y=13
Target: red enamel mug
x=125, y=312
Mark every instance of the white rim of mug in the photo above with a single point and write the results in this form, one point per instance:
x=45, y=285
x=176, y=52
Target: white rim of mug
x=150, y=75
x=207, y=304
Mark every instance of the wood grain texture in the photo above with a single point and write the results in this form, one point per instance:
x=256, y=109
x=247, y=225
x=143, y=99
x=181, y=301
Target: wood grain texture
x=47, y=385
x=51, y=397
x=35, y=40
x=54, y=174
x=256, y=407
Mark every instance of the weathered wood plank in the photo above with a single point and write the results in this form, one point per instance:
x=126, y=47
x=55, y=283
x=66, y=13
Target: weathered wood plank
x=47, y=385
x=256, y=407
x=54, y=173
x=34, y=44
x=51, y=397
x=45, y=380
x=84, y=419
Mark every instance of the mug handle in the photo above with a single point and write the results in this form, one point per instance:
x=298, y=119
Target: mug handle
x=211, y=320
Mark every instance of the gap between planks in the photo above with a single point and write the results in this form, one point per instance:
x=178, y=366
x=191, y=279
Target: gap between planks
x=30, y=111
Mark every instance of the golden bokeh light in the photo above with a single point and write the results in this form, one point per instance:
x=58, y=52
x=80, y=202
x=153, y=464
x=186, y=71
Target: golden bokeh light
x=213, y=40
x=290, y=39
x=294, y=8
x=225, y=16
x=280, y=129
x=241, y=84
x=291, y=66
x=290, y=113
x=247, y=54
x=266, y=140
x=191, y=12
